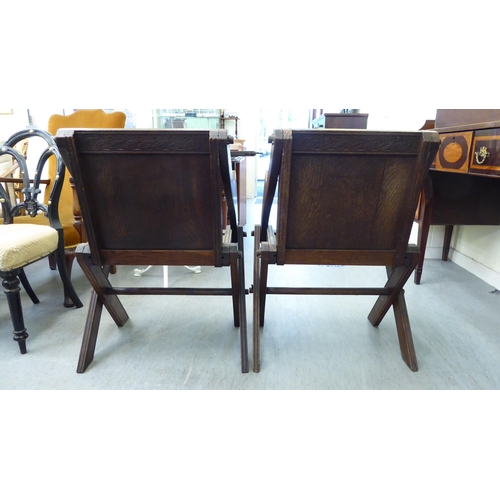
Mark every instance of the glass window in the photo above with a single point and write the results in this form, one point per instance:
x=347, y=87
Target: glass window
x=187, y=118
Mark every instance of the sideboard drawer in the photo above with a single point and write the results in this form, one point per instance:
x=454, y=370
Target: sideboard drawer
x=454, y=153
x=485, y=152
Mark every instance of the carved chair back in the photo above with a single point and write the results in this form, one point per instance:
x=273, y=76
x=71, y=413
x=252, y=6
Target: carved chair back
x=29, y=202
x=150, y=197
x=346, y=196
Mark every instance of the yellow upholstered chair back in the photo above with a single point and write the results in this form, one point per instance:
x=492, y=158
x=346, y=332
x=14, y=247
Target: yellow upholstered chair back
x=83, y=118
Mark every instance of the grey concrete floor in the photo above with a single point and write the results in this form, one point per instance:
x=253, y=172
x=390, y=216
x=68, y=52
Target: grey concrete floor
x=307, y=342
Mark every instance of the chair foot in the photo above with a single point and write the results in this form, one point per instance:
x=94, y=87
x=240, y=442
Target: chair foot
x=90, y=333
x=256, y=359
x=404, y=332
x=22, y=344
x=256, y=344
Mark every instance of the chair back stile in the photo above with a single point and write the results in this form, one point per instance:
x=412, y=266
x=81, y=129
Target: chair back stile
x=228, y=182
x=72, y=159
x=271, y=181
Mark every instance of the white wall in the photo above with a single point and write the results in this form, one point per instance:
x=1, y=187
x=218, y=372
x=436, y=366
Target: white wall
x=398, y=118
x=9, y=124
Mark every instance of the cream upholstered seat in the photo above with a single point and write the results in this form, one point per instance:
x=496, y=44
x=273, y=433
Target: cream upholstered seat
x=22, y=244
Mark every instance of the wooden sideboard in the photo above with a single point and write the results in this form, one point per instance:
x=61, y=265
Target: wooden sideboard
x=463, y=187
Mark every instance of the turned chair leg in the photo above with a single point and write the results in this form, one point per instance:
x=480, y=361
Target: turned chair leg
x=12, y=290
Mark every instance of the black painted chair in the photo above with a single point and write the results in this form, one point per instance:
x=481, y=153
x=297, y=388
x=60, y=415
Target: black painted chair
x=23, y=244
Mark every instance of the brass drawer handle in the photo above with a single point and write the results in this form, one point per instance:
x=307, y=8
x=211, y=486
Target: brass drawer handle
x=483, y=153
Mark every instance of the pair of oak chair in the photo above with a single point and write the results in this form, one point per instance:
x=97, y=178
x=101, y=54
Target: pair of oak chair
x=154, y=197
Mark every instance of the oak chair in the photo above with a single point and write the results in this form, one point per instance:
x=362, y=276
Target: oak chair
x=345, y=197
x=169, y=214
x=22, y=244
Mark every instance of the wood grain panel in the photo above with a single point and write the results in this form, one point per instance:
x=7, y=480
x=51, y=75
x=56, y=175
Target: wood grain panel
x=465, y=117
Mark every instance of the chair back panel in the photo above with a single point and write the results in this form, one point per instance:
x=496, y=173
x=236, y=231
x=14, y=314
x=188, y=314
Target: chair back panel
x=147, y=192
x=346, y=190
x=163, y=197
